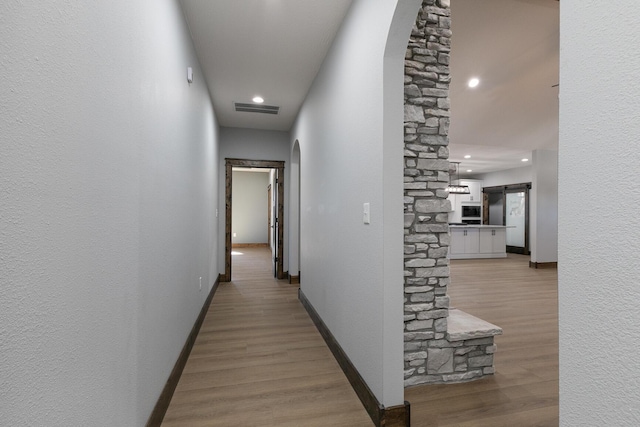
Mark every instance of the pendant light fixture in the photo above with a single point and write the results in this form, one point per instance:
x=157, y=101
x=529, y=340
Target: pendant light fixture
x=457, y=188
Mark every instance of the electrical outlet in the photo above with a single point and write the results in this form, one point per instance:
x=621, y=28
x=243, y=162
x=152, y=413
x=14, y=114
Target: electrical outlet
x=201, y=283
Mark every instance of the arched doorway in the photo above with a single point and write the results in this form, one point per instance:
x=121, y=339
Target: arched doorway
x=294, y=216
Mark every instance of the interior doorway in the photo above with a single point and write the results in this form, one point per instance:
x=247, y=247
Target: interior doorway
x=509, y=205
x=250, y=213
x=277, y=223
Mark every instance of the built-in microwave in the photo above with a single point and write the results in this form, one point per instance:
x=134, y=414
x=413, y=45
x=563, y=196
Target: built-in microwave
x=471, y=211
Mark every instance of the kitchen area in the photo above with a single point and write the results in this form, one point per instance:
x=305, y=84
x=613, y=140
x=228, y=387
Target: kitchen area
x=486, y=224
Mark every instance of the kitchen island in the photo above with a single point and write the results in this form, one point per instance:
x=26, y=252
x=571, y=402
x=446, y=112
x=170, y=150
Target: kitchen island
x=478, y=241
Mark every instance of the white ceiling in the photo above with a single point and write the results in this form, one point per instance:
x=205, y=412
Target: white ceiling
x=274, y=48
x=512, y=46
x=271, y=48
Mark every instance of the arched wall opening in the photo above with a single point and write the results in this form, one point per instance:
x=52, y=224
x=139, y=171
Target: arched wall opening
x=294, y=215
x=353, y=159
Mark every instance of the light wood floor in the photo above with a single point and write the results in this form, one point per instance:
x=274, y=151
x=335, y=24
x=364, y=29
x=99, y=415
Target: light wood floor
x=259, y=361
x=524, y=390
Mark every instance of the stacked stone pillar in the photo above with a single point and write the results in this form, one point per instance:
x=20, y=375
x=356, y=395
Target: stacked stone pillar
x=430, y=357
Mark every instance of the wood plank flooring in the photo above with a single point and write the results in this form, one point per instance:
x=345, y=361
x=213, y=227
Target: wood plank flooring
x=524, y=390
x=259, y=361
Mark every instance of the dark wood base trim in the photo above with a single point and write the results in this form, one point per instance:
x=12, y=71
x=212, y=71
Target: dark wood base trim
x=543, y=264
x=518, y=250
x=157, y=415
x=294, y=280
x=396, y=416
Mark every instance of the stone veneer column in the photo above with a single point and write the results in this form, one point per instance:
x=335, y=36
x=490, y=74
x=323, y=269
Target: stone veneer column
x=431, y=354
x=428, y=354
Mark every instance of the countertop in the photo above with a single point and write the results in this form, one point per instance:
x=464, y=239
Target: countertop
x=480, y=226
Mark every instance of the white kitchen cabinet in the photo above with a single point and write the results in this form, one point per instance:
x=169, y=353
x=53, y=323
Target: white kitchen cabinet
x=477, y=241
x=464, y=241
x=475, y=191
x=492, y=240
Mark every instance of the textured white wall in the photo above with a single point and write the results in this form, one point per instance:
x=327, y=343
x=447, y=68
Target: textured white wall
x=250, y=206
x=544, y=206
x=343, y=135
x=253, y=144
x=106, y=208
x=599, y=225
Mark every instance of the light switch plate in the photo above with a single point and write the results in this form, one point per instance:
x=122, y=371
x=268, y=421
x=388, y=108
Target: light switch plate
x=366, y=213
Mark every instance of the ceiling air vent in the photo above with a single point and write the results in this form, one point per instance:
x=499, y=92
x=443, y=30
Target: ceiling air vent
x=256, y=108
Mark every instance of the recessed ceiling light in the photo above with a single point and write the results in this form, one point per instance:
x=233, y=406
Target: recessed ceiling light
x=469, y=170
x=258, y=99
x=525, y=160
x=474, y=82
x=467, y=156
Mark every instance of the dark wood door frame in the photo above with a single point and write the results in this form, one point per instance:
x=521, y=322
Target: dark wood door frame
x=269, y=207
x=504, y=189
x=270, y=164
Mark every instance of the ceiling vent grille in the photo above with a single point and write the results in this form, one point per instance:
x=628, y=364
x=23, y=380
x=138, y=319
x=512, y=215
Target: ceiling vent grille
x=256, y=108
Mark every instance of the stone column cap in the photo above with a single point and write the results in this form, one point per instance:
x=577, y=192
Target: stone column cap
x=464, y=326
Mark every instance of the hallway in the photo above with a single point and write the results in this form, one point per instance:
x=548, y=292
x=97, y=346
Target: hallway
x=259, y=360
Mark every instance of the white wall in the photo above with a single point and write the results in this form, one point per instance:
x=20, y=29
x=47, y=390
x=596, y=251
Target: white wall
x=106, y=208
x=514, y=176
x=294, y=211
x=599, y=226
x=249, y=215
x=543, y=200
x=350, y=135
x=506, y=177
x=544, y=207
x=253, y=144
